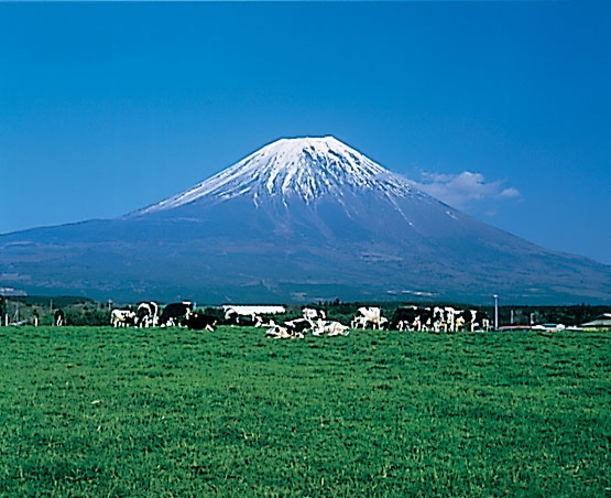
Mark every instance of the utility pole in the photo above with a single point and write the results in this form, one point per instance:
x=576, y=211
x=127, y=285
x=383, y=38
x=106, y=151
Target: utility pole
x=496, y=312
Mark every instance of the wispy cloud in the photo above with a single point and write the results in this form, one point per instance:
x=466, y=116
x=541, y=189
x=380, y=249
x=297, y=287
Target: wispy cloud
x=464, y=189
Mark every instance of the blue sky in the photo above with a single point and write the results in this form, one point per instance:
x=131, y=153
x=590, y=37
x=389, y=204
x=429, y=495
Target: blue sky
x=502, y=109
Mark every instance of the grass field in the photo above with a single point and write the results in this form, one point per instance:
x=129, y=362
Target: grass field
x=105, y=412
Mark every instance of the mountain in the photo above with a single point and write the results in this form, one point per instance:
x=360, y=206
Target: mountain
x=298, y=220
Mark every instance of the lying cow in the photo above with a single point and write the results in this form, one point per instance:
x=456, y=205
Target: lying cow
x=197, y=321
x=298, y=325
x=280, y=332
x=330, y=329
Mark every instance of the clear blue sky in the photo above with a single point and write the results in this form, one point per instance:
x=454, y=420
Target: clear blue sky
x=501, y=108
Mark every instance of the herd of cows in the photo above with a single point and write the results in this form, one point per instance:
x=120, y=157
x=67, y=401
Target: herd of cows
x=435, y=319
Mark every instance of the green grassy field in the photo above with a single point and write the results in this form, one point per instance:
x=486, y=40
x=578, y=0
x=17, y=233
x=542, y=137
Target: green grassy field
x=105, y=412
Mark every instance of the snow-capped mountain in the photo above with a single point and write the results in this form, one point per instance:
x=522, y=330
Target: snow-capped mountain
x=299, y=219
x=305, y=169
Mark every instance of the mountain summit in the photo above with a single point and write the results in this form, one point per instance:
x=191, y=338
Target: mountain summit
x=298, y=220
x=294, y=169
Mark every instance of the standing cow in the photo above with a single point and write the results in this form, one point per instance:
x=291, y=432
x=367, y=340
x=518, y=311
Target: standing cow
x=147, y=314
x=122, y=318
x=406, y=318
x=174, y=314
x=368, y=316
x=59, y=319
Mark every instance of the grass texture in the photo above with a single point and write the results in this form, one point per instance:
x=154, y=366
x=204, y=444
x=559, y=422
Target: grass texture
x=103, y=412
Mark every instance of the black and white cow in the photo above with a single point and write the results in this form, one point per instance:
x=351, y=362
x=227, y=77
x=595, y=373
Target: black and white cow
x=406, y=318
x=312, y=314
x=462, y=320
x=198, y=321
x=371, y=316
x=232, y=317
x=281, y=332
x=429, y=319
x=480, y=320
x=174, y=314
x=298, y=325
x=147, y=314
x=59, y=318
x=122, y=318
x=330, y=328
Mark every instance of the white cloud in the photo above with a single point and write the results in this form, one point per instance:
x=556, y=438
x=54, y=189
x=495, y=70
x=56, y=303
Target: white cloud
x=464, y=189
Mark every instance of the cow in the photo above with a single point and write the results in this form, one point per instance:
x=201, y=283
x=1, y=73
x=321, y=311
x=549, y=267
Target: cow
x=330, y=328
x=429, y=319
x=437, y=320
x=406, y=318
x=263, y=322
x=471, y=320
x=122, y=318
x=147, y=314
x=233, y=317
x=59, y=318
x=368, y=316
x=173, y=314
x=280, y=332
x=311, y=314
x=480, y=320
x=197, y=321
x=450, y=316
x=298, y=325
x=463, y=320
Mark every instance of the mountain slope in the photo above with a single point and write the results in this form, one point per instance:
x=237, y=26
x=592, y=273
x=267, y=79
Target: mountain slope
x=299, y=219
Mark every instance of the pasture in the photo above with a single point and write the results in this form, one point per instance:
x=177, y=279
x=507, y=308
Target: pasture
x=103, y=412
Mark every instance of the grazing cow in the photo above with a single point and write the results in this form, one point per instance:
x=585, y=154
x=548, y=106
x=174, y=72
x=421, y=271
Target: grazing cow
x=480, y=320
x=449, y=319
x=59, y=318
x=429, y=319
x=406, y=318
x=173, y=314
x=147, y=314
x=368, y=316
x=197, y=321
x=437, y=320
x=331, y=329
x=122, y=318
x=463, y=320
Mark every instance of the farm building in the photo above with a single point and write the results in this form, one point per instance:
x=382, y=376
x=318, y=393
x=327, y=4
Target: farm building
x=601, y=322
x=254, y=310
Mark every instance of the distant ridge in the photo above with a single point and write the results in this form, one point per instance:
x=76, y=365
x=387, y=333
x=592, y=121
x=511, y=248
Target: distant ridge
x=298, y=220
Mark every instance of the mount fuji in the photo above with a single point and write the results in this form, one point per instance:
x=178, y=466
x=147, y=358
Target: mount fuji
x=298, y=220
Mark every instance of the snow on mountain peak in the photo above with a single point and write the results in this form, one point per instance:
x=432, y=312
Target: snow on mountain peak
x=306, y=168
